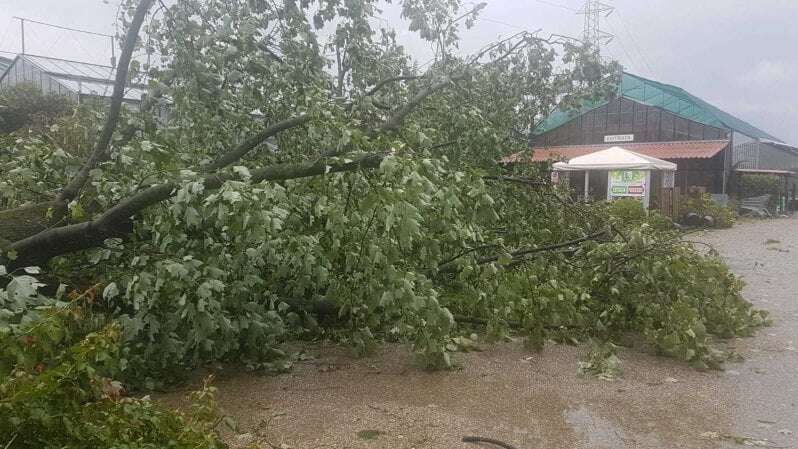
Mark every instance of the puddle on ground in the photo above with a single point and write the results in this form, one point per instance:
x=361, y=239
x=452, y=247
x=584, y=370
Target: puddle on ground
x=600, y=433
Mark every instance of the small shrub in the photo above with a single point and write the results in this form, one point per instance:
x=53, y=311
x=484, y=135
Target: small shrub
x=703, y=206
x=629, y=212
x=755, y=185
x=758, y=185
x=26, y=105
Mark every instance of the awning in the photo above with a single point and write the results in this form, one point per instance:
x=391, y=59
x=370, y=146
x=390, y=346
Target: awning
x=689, y=149
x=615, y=158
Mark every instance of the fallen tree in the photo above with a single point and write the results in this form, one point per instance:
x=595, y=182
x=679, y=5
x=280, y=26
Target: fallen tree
x=287, y=185
x=300, y=189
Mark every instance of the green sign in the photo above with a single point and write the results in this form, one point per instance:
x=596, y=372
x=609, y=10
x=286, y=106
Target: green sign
x=627, y=183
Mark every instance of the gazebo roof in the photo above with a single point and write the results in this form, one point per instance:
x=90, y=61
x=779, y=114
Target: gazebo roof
x=615, y=158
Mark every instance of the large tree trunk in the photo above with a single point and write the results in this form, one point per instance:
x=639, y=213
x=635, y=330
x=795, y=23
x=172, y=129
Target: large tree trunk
x=22, y=222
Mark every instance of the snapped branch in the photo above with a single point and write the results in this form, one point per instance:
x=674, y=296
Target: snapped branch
x=257, y=139
x=117, y=221
x=103, y=142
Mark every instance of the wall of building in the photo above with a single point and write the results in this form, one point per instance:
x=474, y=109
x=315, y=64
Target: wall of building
x=758, y=155
x=624, y=116
x=700, y=174
x=25, y=72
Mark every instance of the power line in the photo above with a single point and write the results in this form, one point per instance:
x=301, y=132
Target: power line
x=487, y=19
x=626, y=52
x=635, y=47
x=23, y=20
x=62, y=27
x=557, y=5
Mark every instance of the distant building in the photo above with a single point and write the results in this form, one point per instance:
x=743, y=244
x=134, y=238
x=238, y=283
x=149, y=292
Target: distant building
x=78, y=80
x=765, y=155
x=665, y=122
x=4, y=64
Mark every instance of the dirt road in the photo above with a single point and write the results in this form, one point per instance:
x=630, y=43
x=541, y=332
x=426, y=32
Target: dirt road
x=537, y=400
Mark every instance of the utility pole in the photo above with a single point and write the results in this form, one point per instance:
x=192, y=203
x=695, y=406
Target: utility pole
x=22, y=32
x=593, y=35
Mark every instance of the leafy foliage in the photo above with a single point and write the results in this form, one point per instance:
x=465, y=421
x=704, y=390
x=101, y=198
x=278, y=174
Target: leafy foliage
x=24, y=105
x=648, y=282
x=58, y=388
x=602, y=362
x=629, y=212
x=703, y=206
x=222, y=263
x=757, y=185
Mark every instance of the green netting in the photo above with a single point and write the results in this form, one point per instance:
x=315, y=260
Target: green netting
x=665, y=96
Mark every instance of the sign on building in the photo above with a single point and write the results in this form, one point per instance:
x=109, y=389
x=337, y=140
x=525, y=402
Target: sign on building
x=615, y=138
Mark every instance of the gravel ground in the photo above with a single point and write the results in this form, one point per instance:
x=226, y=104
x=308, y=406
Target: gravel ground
x=537, y=400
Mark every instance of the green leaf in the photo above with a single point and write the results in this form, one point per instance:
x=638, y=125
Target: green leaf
x=110, y=291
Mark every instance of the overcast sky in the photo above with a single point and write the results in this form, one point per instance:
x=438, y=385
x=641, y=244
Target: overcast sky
x=740, y=55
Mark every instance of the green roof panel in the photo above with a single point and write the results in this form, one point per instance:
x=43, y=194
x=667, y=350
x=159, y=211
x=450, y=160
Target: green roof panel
x=667, y=97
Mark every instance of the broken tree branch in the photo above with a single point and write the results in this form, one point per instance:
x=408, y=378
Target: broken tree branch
x=390, y=80
x=395, y=120
x=249, y=144
x=516, y=180
x=478, y=440
x=72, y=189
x=116, y=221
x=518, y=255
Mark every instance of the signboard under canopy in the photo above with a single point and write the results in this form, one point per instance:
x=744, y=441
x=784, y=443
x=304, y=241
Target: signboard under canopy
x=628, y=173
x=627, y=183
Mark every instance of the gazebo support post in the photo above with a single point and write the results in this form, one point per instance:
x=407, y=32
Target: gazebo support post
x=587, y=184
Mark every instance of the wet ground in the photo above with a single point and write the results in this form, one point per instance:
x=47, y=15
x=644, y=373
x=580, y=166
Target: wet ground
x=537, y=400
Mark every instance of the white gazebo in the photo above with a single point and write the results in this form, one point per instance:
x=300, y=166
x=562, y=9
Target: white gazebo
x=629, y=173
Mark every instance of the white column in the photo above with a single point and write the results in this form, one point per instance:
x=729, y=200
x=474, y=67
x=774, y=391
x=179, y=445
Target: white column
x=587, y=184
x=647, y=191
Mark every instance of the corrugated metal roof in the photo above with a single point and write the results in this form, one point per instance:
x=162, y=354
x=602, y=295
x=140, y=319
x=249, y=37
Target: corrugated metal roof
x=764, y=171
x=689, y=149
x=73, y=68
x=671, y=98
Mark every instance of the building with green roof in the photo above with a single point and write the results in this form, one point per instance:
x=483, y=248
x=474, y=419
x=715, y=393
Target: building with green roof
x=658, y=120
